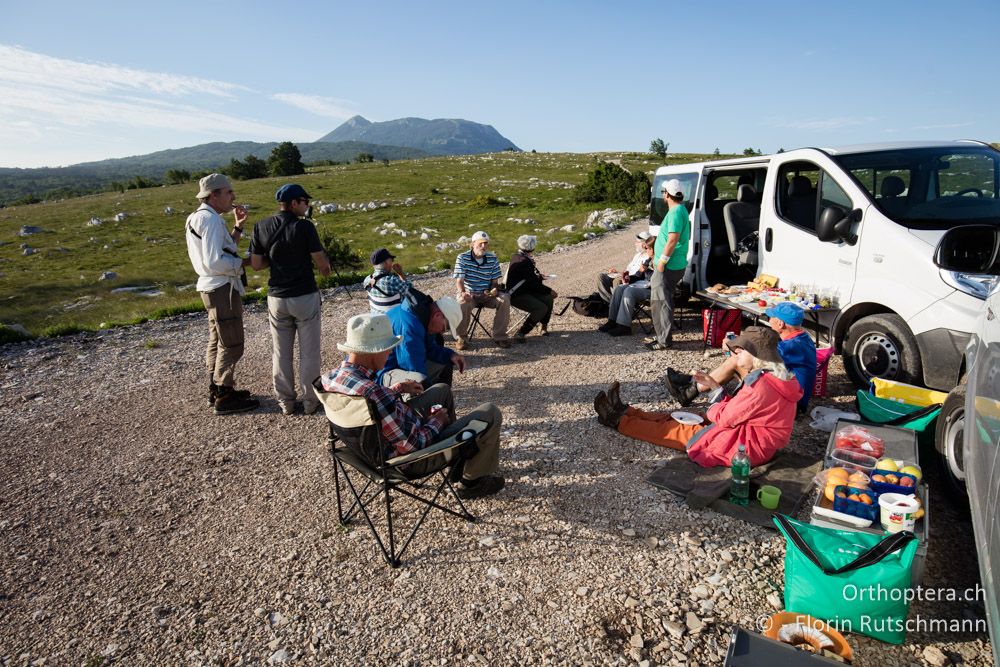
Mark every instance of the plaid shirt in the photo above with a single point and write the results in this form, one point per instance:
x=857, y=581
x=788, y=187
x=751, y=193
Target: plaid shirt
x=402, y=427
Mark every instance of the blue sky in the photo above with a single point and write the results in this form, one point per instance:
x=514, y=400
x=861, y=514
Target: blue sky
x=88, y=81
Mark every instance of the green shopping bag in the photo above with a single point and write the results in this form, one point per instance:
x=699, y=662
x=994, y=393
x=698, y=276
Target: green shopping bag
x=893, y=413
x=855, y=581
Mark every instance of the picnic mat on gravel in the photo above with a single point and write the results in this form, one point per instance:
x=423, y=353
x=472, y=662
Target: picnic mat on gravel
x=708, y=488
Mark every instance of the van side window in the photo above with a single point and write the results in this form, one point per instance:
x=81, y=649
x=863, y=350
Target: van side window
x=657, y=209
x=804, y=190
x=832, y=194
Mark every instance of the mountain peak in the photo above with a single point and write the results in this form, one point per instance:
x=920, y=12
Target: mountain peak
x=441, y=136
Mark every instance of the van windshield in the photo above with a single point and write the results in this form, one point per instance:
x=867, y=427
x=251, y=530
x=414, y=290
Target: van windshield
x=930, y=188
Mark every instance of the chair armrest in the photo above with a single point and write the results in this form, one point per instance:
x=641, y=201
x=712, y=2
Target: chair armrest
x=471, y=430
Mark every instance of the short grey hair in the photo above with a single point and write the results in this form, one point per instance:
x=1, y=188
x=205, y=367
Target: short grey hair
x=527, y=242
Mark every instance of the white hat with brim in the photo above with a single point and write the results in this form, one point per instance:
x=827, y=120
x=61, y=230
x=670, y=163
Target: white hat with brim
x=452, y=312
x=210, y=183
x=370, y=333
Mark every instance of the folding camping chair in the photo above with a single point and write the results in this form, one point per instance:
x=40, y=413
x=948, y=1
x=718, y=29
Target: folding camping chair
x=642, y=312
x=356, y=444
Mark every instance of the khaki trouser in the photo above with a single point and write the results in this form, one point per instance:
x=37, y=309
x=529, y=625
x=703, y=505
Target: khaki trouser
x=487, y=460
x=501, y=302
x=225, y=333
x=435, y=373
x=288, y=316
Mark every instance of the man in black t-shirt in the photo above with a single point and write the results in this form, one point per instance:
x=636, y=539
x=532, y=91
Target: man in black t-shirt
x=288, y=245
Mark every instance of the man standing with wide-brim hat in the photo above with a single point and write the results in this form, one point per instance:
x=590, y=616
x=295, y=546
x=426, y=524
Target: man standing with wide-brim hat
x=215, y=258
x=426, y=418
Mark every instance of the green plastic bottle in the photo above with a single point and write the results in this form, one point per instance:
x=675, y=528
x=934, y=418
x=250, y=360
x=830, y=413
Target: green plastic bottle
x=739, y=487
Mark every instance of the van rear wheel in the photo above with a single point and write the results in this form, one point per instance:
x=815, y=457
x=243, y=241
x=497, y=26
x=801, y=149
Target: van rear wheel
x=882, y=346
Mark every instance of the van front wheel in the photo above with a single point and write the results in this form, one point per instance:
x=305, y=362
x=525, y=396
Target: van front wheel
x=882, y=346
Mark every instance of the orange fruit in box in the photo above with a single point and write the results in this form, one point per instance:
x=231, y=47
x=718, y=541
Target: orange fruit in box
x=840, y=475
x=865, y=498
x=858, y=479
x=855, y=497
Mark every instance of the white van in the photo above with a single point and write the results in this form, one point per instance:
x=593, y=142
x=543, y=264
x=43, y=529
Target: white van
x=859, y=224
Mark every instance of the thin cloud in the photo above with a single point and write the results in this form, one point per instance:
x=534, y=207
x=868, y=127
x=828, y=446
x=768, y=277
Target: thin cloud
x=22, y=67
x=326, y=107
x=824, y=123
x=942, y=126
x=41, y=95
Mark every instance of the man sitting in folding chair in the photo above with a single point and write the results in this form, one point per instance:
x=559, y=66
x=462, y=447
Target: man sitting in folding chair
x=629, y=296
x=477, y=279
x=427, y=418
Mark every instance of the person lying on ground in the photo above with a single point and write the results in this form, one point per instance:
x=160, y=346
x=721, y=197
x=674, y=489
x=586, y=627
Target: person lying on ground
x=759, y=414
x=612, y=278
x=797, y=350
x=629, y=295
x=529, y=293
x=477, y=279
x=421, y=357
x=428, y=417
x=386, y=286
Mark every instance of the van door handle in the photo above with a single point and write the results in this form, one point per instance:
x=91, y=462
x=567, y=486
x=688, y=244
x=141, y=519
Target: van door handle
x=768, y=239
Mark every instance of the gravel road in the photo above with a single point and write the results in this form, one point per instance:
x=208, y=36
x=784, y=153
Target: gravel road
x=137, y=528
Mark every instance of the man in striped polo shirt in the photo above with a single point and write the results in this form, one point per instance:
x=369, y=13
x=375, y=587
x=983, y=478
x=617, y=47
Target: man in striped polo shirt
x=477, y=275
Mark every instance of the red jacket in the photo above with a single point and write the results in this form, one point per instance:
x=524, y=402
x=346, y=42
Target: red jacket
x=760, y=416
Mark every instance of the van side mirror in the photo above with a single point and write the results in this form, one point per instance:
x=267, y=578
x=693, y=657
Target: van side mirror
x=834, y=225
x=970, y=249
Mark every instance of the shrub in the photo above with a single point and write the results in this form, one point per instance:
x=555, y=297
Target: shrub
x=60, y=330
x=485, y=201
x=342, y=257
x=177, y=176
x=364, y=157
x=609, y=183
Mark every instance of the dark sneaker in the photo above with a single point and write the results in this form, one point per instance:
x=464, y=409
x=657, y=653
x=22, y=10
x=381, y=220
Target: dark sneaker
x=682, y=393
x=678, y=378
x=620, y=330
x=545, y=329
x=310, y=408
x=607, y=326
x=230, y=401
x=480, y=487
x=657, y=346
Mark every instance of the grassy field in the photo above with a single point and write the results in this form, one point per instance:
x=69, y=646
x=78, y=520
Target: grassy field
x=57, y=288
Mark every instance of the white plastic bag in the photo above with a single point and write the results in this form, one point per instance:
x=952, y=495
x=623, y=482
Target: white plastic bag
x=825, y=419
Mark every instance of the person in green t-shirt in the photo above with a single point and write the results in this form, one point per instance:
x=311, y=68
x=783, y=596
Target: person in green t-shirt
x=670, y=257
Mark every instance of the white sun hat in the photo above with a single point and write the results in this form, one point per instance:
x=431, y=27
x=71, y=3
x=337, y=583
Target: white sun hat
x=369, y=333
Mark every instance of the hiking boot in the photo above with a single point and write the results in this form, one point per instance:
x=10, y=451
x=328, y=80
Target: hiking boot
x=607, y=326
x=230, y=401
x=678, y=378
x=682, y=393
x=608, y=414
x=545, y=330
x=620, y=330
x=213, y=393
x=504, y=343
x=461, y=343
x=614, y=396
x=310, y=408
x=480, y=487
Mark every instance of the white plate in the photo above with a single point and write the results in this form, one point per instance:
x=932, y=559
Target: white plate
x=687, y=417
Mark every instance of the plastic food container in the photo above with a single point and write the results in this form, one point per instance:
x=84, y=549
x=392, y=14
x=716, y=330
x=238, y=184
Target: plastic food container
x=858, y=439
x=845, y=458
x=862, y=510
x=888, y=487
x=897, y=512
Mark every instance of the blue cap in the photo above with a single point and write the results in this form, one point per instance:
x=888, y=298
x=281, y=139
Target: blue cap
x=286, y=193
x=787, y=312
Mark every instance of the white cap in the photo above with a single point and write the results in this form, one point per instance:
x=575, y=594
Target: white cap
x=643, y=235
x=480, y=236
x=452, y=312
x=673, y=188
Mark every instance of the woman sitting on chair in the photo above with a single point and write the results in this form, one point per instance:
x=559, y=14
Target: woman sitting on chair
x=527, y=292
x=759, y=414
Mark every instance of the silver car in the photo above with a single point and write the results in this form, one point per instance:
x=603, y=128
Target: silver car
x=969, y=426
